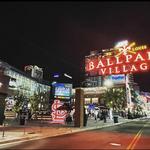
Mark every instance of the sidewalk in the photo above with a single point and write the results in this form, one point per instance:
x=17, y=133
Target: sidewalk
x=37, y=130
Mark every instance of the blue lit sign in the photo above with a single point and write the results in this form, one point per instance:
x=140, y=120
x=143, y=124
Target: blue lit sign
x=62, y=90
x=116, y=79
x=56, y=75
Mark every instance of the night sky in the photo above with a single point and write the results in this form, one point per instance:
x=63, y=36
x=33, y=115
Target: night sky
x=57, y=35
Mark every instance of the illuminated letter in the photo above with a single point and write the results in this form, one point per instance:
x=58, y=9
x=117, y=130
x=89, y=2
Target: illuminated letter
x=91, y=65
x=103, y=71
x=124, y=69
x=117, y=61
x=100, y=64
x=128, y=57
x=133, y=68
x=145, y=67
x=148, y=55
x=110, y=70
x=108, y=62
x=116, y=70
x=139, y=57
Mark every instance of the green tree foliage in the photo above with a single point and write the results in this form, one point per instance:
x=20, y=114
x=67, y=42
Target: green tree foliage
x=40, y=98
x=134, y=96
x=2, y=108
x=19, y=98
x=34, y=101
x=115, y=98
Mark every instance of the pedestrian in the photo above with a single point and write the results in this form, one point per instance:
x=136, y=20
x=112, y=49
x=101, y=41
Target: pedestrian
x=110, y=114
x=68, y=118
x=85, y=117
x=104, y=114
x=72, y=114
x=96, y=111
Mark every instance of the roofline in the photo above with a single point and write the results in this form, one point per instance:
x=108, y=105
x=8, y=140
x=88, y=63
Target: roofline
x=25, y=74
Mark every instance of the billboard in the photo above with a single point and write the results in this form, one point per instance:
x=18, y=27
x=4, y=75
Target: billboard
x=62, y=90
x=121, y=60
x=37, y=73
x=116, y=79
x=34, y=71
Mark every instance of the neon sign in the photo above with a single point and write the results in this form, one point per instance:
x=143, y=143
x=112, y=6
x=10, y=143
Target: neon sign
x=58, y=116
x=126, y=59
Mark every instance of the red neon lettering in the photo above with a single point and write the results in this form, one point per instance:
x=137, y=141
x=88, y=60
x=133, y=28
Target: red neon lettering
x=140, y=61
x=108, y=62
x=118, y=61
x=100, y=64
x=139, y=57
x=91, y=65
x=144, y=66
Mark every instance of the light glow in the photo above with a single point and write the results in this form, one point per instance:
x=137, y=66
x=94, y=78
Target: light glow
x=108, y=83
x=122, y=43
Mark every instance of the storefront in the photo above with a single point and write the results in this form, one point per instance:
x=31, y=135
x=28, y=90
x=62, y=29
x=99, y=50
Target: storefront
x=116, y=66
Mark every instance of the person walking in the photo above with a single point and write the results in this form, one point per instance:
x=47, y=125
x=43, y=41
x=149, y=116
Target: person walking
x=85, y=117
x=96, y=111
x=104, y=114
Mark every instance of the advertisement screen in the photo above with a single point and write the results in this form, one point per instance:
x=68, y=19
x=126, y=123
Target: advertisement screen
x=116, y=79
x=62, y=90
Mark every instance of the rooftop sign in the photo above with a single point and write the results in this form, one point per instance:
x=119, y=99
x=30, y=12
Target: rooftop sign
x=123, y=59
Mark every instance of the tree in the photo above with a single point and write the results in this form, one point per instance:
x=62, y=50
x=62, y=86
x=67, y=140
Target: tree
x=39, y=99
x=34, y=101
x=115, y=98
x=19, y=99
x=2, y=108
x=134, y=96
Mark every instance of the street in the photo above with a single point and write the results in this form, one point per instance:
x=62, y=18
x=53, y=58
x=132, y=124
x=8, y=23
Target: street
x=133, y=135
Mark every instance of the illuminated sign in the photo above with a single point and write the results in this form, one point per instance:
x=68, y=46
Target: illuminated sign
x=62, y=90
x=94, y=90
x=116, y=79
x=122, y=43
x=126, y=59
x=58, y=116
x=1, y=84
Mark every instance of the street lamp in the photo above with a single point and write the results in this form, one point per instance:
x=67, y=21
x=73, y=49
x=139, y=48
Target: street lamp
x=1, y=84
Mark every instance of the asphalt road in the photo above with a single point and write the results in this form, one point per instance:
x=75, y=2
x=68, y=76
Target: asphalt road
x=133, y=135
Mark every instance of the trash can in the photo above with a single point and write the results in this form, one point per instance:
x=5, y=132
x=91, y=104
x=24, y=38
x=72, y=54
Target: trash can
x=115, y=119
x=22, y=121
x=85, y=120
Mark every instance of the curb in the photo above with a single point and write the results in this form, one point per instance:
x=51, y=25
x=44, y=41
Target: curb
x=18, y=139
x=36, y=137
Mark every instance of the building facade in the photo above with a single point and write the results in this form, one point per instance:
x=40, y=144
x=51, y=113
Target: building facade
x=24, y=83
x=102, y=70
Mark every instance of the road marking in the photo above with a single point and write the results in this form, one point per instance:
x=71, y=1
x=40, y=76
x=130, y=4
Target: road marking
x=115, y=144
x=134, y=139
x=132, y=147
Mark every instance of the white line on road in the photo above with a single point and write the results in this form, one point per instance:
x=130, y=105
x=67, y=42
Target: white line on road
x=115, y=144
